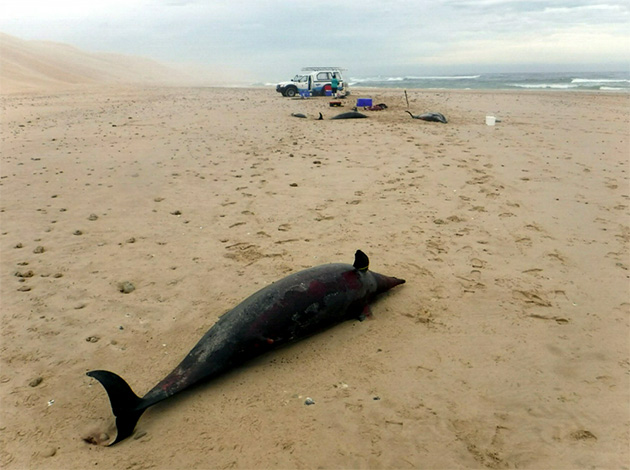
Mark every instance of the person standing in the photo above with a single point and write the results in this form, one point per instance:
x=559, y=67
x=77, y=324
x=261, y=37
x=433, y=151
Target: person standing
x=334, y=84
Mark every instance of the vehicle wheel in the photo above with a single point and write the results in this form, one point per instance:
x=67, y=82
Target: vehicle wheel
x=290, y=92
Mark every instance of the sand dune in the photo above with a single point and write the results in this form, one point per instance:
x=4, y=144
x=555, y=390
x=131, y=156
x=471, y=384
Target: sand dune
x=42, y=65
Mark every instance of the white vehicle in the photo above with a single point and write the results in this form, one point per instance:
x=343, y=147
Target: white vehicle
x=316, y=80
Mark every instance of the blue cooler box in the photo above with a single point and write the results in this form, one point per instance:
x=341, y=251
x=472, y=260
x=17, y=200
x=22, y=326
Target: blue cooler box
x=364, y=102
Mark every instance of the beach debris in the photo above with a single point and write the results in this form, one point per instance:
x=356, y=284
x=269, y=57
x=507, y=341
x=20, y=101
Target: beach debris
x=39, y=249
x=309, y=401
x=51, y=402
x=126, y=287
x=377, y=107
x=299, y=115
x=18, y=245
x=77, y=232
x=24, y=288
x=92, y=339
x=92, y=217
x=176, y=212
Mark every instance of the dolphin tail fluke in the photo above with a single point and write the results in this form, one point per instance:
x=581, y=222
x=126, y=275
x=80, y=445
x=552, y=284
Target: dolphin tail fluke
x=124, y=402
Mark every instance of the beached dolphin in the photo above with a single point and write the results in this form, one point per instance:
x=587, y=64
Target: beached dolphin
x=288, y=310
x=349, y=115
x=435, y=117
x=303, y=116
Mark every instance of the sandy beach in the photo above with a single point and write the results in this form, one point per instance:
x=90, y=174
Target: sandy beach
x=506, y=348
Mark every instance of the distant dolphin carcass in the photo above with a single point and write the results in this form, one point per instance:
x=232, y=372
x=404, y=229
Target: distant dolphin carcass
x=434, y=117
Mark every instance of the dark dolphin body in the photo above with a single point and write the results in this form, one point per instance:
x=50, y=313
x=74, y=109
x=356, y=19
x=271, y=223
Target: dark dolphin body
x=349, y=115
x=435, y=117
x=290, y=309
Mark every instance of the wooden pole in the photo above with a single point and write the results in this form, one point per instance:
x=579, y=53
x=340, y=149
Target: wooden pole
x=407, y=99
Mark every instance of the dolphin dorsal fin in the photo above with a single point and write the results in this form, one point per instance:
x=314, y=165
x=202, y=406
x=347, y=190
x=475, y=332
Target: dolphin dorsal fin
x=361, y=261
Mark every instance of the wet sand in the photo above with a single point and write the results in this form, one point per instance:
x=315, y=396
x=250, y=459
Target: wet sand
x=507, y=347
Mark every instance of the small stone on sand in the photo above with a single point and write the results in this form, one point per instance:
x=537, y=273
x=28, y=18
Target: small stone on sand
x=126, y=287
x=35, y=382
x=50, y=452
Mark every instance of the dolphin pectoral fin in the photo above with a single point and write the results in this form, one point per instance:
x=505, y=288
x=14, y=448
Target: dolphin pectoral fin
x=361, y=261
x=123, y=400
x=365, y=313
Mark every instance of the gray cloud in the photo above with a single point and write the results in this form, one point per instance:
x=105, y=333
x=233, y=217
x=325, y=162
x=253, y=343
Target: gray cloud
x=271, y=40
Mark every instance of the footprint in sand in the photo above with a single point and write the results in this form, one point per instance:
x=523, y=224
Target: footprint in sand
x=471, y=282
x=555, y=255
x=531, y=297
x=524, y=241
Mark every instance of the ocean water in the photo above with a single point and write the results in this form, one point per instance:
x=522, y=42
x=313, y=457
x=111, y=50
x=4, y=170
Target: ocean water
x=578, y=81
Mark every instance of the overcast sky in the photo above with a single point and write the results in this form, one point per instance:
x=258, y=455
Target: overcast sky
x=270, y=40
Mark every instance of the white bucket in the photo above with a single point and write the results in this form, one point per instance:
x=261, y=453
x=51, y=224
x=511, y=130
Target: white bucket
x=491, y=120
